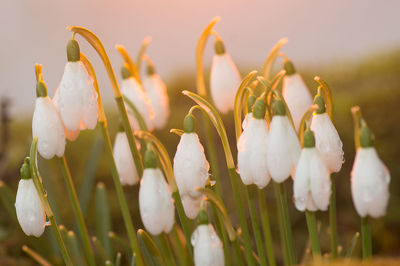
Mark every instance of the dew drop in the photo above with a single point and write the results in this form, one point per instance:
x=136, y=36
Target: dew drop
x=47, y=223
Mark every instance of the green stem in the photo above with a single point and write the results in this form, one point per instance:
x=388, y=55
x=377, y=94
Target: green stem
x=121, y=197
x=166, y=250
x=238, y=252
x=266, y=228
x=313, y=231
x=77, y=210
x=221, y=232
x=285, y=219
x=184, y=221
x=180, y=251
x=366, y=238
x=250, y=195
x=332, y=219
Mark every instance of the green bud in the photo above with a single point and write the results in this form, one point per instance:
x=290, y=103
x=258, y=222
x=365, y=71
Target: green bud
x=73, y=51
x=25, y=169
x=250, y=102
x=289, y=67
x=219, y=47
x=189, y=123
x=150, y=159
x=203, y=217
x=259, y=109
x=319, y=100
x=150, y=69
x=126, y=73
x=41, y=89
x=309, y=139
x=278, y=108
x=121, y=127
x=366, y=136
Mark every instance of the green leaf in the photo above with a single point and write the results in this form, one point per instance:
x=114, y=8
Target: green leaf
x=103, y=218
x=137, y=114
x=150, y=251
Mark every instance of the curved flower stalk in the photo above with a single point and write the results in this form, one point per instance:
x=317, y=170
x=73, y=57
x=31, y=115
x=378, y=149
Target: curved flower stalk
x=47, y=125
x=207, y=246
x=190, y=168
x=155, y=201
x=273, y=54
x=132, y=89
x=30, y=212
x=295, y=93
x=145, y=43
x=156, y=90
x=224, y=79
x=77, y=98
x=129, y=62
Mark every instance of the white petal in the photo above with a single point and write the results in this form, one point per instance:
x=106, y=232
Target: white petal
x=283, y=149
x=155, y=202
x=157, y=93
x=191, y=205
x=297, y=97
x=207, y=247
x=327, y=141
x=70, y=135
x=369, y=183
x=90, y=109
x=224, y=82
x=47, y=126
x=29, y=209
x=301, y=181
x=124, y=161
x=320, y=181
x=246, y=119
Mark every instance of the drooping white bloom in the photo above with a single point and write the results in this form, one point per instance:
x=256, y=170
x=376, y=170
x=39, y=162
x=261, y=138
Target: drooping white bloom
x=131, y=88
x=207, y=246
x=369, y=183
x=246, y=119
x=29, y=209
x=191, y=171
x=312, y=183
x=70, y=135
x=224, y=80
x=328, y=141
x=47, y=126
x=124, y=161
x=157, y=93
x=252, y=153
x=77, y=99
x=283, y=149
x=155, y=202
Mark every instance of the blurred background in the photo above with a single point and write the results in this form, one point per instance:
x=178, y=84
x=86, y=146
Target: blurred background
x=353, y=45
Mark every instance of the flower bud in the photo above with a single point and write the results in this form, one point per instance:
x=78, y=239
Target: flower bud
x=207, y=247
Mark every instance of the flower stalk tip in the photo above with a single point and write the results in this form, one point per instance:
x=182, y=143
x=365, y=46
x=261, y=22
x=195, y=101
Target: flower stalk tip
x=150, y=158
x=41, y=89
x=189, y=124
x=289, y=67
x=73, y=51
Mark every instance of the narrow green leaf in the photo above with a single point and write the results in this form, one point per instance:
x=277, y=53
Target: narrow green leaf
x=8, y=199
x=39, y=259
x=103, y=218
x=353, y=245
x=136, y=112
x=150, y=251
x=118, y=259
x=100, y=249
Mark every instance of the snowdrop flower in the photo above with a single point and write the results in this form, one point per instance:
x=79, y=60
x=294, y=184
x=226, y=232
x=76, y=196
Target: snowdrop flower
x=369, y=178
x=207, y=246
x=47, y=125
x=327, y=139
x=312, y=183
x=296, y=94
x=190, y=168
x=157, y=93
x=123, y=159
x=77, y=99
x=252, y=148
x=29, y=208
x=283, y=149
x=132, y=89
x=224, y=79
x=155, y=202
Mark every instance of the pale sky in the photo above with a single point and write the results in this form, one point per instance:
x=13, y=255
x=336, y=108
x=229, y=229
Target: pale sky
x=319, y=32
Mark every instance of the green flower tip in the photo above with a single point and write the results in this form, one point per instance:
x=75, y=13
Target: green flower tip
x=150, y=159
x=319, y=100
x=366, y=136
x=308, y=139
x=189, y=123
x=219, y=47
x=278, y=107
x=259, y=109
x=41, y=89
x=25, y=170
x=289, y=67
x=150, y=70
x=203, y=217
x=250, y=102
x=121, y=127
x=125, y=72
x=73, y=51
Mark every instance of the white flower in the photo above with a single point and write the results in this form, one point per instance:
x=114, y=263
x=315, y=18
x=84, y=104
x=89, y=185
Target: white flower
x=252, y=152
x=124, y=161
x=77, y=97
x=30, y=212
x=155, y=202
x=369, y=183
x=297, y=97
x=207, y=247
x=224, y=81
x=191, y=171
x=283, y=149
x=246, y=119
x=157, y=93
x=47, y=126
x=328, y=141
x=312, y=183
x=136, y=94
x=70, y=135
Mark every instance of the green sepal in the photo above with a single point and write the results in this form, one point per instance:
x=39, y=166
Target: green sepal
x=125, y=73
x=308, y=139
x=41, y=89
x=150, y=70
x=203, y=217
x=259, y=109
x=250, y=102
x=150, y=158
x=366, y=136
x=25, y=169
x=278, y=108
x=289, y=67
x=73, y=51
x=121, y=127
x=189, y=123
x=319, y=100
x=219, y=47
